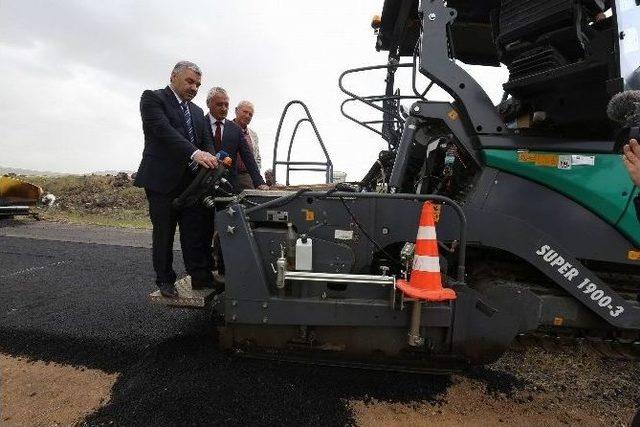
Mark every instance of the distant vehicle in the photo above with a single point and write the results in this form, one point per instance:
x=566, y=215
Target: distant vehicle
x=17, y=197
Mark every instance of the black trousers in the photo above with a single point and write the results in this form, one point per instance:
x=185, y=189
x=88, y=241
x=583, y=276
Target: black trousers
x=196, y=234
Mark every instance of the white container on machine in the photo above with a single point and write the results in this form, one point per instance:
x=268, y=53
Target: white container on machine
x=304, y=254
x=338, y=176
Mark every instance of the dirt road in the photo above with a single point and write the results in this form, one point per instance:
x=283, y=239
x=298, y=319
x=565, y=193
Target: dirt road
x=80, y=344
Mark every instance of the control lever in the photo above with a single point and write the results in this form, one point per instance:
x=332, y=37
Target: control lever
x=204, y=184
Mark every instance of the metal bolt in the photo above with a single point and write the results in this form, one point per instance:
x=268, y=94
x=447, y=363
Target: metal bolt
x=324, y=295
x=265, y=305
x=432, y=17
x=385, y=230
x=234, y=303
x=233, y=318
x=265, y=319
x=416, y=108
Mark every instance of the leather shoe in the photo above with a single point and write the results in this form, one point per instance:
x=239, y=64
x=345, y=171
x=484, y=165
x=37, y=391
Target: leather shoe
x=201, y=284
x=209, y=284
x=168, y=290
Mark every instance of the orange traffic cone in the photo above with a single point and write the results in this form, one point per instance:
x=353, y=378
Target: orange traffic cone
x=426, y=282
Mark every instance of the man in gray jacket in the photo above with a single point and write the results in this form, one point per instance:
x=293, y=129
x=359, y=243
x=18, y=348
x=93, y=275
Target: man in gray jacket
x=244, y=114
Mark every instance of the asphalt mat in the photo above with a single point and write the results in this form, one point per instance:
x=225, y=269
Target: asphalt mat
x=85, y=305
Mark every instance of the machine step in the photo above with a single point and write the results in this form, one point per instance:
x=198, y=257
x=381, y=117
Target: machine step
x=187, y=297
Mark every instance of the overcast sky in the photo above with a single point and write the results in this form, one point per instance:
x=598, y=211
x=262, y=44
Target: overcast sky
x=72, y=73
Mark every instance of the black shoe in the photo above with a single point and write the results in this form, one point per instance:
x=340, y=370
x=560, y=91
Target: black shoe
x=168, y=290
x=202, y=281
x=208, y=284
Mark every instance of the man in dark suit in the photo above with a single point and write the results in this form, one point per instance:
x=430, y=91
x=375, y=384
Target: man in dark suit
x=175, y=142
x=228, y=137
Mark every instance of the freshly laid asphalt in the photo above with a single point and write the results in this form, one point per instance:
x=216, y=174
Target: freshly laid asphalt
x=77, y=295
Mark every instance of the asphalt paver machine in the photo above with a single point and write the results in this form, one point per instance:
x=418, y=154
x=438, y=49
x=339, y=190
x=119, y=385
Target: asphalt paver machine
x=536, y=234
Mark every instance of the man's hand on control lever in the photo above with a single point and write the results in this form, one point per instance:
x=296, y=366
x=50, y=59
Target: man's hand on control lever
x=205, y=159
x=631, y=159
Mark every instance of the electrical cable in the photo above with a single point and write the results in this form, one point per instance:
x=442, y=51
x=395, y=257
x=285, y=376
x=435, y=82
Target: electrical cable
x=364, y=232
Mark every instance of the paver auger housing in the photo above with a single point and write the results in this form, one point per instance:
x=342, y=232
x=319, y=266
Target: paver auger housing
x=535, y=222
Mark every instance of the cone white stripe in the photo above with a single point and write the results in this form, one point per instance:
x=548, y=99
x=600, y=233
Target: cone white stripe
x=426, y=232
x=426, y=263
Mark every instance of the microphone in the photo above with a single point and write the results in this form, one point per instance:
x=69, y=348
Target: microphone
x=624, y=108
x=193, y=165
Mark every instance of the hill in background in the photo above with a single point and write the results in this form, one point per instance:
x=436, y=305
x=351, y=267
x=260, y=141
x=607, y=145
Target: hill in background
x=32, y=172
x=18, y=171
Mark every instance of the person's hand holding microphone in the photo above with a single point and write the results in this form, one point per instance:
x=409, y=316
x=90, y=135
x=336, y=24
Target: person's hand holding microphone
x=631, y=159
x=205, y=159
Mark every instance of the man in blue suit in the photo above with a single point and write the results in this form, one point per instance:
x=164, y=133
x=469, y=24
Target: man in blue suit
x=228, y=137
x=175, y=136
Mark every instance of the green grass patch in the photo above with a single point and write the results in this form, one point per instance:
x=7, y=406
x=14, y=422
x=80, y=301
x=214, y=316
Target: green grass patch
x=118, y=218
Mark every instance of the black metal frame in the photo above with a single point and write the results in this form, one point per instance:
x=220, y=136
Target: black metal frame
x=397, y=196
x=437, y=63
x=252, y=303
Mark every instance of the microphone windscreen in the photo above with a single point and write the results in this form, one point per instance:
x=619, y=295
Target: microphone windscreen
x=623, y=108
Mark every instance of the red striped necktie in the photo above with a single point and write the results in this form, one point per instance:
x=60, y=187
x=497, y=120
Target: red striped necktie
x=218, y=136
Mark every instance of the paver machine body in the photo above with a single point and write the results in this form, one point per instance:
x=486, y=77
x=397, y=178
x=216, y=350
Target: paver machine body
x=536, y=227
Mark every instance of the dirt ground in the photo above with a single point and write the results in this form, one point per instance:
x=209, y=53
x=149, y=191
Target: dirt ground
x=524, y=388
x=49, y=394
x=531, y=387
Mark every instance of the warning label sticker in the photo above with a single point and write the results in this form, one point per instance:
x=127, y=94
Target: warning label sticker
x=344, y=235
x=539, y=159
x=634, y=255
x=560, y=161
x=564, y=162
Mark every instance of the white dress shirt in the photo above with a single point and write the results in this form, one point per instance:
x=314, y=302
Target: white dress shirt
x=213, y=125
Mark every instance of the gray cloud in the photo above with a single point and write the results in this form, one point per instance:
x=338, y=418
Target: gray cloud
x=74, y=71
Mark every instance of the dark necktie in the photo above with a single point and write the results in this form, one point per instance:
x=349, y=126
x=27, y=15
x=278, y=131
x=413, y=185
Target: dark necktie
x=218, y=136
x=187, y=119
x=193, y=166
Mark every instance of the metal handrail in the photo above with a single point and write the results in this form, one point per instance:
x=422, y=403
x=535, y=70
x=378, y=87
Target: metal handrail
x=328, y=164
x=392, y=66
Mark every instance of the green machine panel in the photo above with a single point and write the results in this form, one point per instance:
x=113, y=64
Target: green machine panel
x=598, y=182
